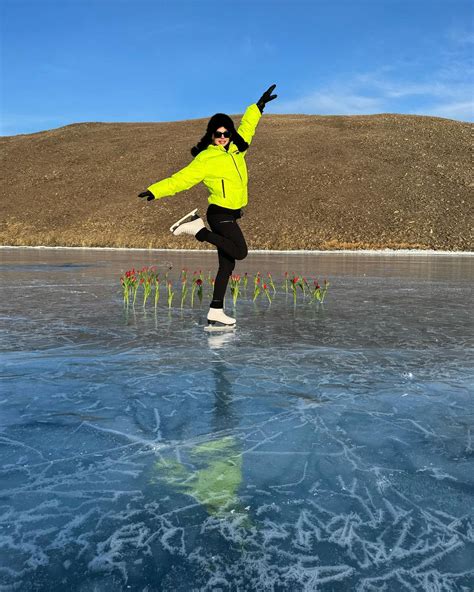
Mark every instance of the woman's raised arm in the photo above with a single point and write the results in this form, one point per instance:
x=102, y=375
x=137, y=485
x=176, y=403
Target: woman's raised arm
x=252, y=115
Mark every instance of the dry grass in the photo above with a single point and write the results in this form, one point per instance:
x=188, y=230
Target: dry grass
x=361, y=182
x=338, y=245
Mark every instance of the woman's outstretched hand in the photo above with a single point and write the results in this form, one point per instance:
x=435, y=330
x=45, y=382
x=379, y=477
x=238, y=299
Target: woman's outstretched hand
x=266, y=98
x=146, y=194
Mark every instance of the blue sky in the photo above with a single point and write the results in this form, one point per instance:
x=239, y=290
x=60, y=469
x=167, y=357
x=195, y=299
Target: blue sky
x=72, y=61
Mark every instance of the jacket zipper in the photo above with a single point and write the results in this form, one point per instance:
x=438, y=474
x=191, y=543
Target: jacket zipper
x=223, y=188
x=235, y=165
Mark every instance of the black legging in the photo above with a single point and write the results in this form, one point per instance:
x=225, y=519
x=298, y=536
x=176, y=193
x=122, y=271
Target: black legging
x=226, y=235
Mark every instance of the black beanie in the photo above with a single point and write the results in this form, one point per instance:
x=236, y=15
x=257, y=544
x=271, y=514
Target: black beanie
x=216, y=121
x=220, y=120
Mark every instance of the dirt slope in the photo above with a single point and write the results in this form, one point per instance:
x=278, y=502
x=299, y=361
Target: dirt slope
x=316, y=182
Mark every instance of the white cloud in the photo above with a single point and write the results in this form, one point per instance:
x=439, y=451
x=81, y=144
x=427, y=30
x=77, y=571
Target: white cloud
x=463, y=110
x=414, y=86
x=330, y=101
x=387, y=92
x=460, y=37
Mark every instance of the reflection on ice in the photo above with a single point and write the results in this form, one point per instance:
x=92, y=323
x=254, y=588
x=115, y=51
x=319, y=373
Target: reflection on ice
x=215, y=483
x=317, y=448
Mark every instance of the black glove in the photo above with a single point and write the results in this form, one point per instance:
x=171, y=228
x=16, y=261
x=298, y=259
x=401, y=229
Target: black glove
x=266, y=98
x=148, y=194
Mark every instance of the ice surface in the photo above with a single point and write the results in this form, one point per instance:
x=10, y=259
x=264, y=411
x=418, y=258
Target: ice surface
x=322, y=448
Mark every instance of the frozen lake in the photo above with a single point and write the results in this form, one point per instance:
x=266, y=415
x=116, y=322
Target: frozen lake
x=317, y=447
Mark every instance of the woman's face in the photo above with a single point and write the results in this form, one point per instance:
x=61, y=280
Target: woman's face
x=220, y=140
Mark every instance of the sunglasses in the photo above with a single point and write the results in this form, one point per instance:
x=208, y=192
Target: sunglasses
x=225, y=134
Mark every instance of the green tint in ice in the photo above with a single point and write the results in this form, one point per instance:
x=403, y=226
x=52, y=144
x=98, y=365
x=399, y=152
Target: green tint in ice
x=217, y=477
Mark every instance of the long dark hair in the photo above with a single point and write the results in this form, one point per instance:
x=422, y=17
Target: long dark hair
x=216, y=121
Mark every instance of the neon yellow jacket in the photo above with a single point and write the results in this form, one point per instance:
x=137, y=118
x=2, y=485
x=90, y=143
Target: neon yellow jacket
x=223, y=172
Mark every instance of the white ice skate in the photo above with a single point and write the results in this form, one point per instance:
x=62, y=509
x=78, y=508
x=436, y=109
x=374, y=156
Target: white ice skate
x=218, y=320
x=190, y=224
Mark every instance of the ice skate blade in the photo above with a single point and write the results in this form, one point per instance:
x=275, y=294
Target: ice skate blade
x=214, y=326
x=192, y=215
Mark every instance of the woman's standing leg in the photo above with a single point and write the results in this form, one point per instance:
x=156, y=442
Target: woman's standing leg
x=227, y=236
x=226, y=267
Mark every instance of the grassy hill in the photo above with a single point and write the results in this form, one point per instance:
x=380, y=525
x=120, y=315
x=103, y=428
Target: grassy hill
x=316, y=182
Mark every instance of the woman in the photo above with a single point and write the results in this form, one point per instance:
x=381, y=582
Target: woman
x=219, y=162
